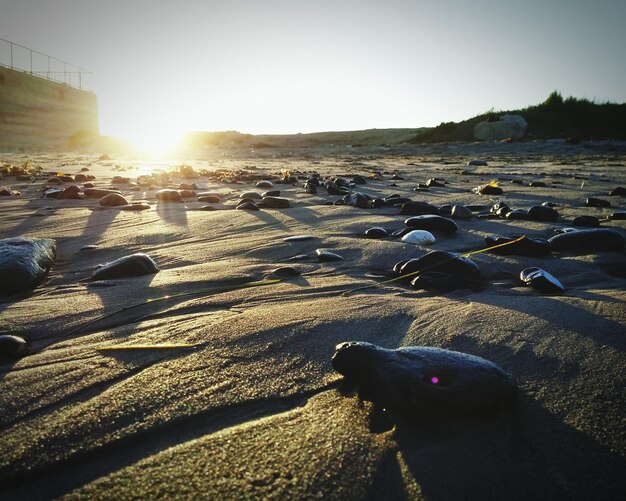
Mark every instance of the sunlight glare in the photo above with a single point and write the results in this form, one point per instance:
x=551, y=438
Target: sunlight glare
x=155, y=139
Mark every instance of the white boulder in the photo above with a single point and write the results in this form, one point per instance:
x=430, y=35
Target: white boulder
x=508, y=126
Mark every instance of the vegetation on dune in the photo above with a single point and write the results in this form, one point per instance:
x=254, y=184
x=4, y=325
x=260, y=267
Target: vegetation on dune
x=554, y=118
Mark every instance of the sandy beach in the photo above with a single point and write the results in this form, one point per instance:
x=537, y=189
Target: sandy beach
x=253, y=408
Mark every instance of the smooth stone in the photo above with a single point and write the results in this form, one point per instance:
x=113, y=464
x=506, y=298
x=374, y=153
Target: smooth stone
x=207, y=208
x=618, y=216
x=461, y=212
x=440, y=261
x=119, y=180
x=342, y=183
x=113, y=200
x=135, y=206
x=188, y=187
x=53, y=192
x=446, y=210
x=487, y=189
x=168, y=195
x=12, y=347
x=501, y=209
x=477, y=163
x=533, y=247
x=594, y=240
x=419, y=237
x=88, y=247
x=248, y=206
x=420, y=379
x=187, y=193
x=99, y=192
x=276, y=202
x=432, y=223
x=360, y=200
x=314, y=180
x=298, y=257
x=433, y=280
x=251, y=194
x=549, y=204
x=299, y=238
x=619, y=191
x=433, y=182
x=286, y=271
x=133, y=265
x=358, y=179
x=518, y=215
x=71, y=192
x=412, y=208
x=264, y=184
x=588, y=221
x=537, y=184
x=477, y=207
x=24, y=263
x=324, y=255
x=333, y=189
x=272, y=193
x=541, y=280
x=542, y=213
x=310, y=188
x=210, y=199
x=597, y=202
x=376, y=232
x=401, y=232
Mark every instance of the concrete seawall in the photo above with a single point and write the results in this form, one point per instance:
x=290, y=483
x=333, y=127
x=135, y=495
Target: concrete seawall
x=39, y=114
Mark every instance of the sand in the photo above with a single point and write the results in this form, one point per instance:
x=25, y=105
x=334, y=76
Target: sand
x=254, y=409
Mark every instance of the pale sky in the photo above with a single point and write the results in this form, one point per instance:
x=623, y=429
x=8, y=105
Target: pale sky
x=302, y=66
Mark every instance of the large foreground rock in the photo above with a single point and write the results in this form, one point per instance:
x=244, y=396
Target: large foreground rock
x=24, y=262
x=513, y=126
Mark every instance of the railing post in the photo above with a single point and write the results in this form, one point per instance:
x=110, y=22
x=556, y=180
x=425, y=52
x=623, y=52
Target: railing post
x=11, y=46
x=64, y=72
x=31, y=61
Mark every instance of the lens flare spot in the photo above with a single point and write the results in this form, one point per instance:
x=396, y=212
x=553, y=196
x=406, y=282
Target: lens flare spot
x=434, y=380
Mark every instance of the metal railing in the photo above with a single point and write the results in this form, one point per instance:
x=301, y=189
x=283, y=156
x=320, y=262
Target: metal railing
x=20, y=58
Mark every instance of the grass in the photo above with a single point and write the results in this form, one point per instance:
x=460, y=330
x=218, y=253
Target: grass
x=556, y=117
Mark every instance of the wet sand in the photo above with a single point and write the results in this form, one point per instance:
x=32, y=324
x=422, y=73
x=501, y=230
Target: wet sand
x=254, y=408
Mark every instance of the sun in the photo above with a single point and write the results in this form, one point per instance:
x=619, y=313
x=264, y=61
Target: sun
x=155, y=139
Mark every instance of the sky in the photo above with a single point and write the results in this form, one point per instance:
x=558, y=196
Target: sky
x=276, y=66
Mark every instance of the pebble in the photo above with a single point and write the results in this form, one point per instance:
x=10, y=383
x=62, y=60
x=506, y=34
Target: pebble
x=477, y=163
x=618, y=216
x=411, y=208
x=24, y=262
x=286, y=271
x=594, y=240
x=12, y=347
x=255, y=195
x=432, y=223
x=324, y=255
x=376, y=232
x=433, y=182
x=619, y=191
x=537, y=184
x=588, y=221
x=422, y=379
x=136, y=206
x=333, y=189
x=264, y=184
x=128, y=266
x=542, y=213
x=299, y=238
x=357, y=199
x=276, y=202
x=419, y=237
x=533, y=247
x=168, y=195
x=358, y=179
x=310, y=188
x=207, y=207
x=88, y=247
x=272, y=193
x=440, y=261
x=461, y=212
x=248, y=206
x=433, y=280
x=210, y=199
x=99, y=192
x=541, y=280
x=597, y=202
x=113, y=200
x=488, y=189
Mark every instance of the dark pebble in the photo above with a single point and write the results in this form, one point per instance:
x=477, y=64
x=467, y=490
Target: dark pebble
x=542, y=213
x=275, y=202
x=376, y=232
x=595, y=240
x=286, y=271
x=133, y=265
x=597, y=202
x=24, y=262
x=12, y=347
x=588, y=221
x=541, y=280
x=432, y=223
x=299, y=238
x=209, y=199
x=533, y=247
x=433, y=280
x=619, y=191
x=248, y=206
x=440, y=261
x=618, y=216
x=461, y=212
x=324, y=255
x=418, y=209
